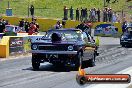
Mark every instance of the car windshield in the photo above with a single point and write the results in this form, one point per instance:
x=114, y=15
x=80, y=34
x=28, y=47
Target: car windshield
x=66, y=35
x=9, y=28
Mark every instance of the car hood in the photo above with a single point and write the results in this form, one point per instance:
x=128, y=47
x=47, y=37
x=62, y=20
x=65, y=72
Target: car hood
x=48, y=41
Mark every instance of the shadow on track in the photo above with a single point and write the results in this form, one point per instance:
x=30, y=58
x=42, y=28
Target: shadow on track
x=52, y=68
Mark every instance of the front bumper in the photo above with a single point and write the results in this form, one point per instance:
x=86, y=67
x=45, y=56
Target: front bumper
x=52, y=52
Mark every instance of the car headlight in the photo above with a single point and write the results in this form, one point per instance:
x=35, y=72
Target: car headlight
x=123, y=37
x=34, y=47
x=70, y=48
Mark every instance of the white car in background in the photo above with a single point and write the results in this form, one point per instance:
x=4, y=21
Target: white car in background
x=12, y=28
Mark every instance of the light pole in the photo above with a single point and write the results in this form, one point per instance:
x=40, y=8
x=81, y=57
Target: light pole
x=8, y=4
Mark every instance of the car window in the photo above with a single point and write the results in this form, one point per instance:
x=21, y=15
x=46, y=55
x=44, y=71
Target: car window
x=9, y=28
x=66, y=35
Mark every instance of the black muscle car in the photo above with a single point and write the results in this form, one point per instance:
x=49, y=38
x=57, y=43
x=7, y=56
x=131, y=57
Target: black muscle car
x=126, y=37
x=68, y=47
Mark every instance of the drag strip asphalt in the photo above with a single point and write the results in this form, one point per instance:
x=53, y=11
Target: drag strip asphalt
x=18, y=73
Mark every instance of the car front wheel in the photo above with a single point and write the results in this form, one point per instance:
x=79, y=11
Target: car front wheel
x=35, y=62
x=78, y=60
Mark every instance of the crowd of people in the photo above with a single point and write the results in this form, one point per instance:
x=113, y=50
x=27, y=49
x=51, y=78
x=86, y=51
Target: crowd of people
x=29, y=27
x=105, y=15
x=3, y=23
x=24, y=26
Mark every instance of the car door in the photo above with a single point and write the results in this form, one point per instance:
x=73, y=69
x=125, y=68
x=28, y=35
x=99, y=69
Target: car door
x=88, y=49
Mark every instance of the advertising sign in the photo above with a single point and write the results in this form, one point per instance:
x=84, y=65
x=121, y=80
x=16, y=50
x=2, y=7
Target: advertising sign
x=105, y=30
x=16, y=45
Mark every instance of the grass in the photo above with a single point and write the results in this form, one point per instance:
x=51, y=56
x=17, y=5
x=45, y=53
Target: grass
x=54, y=8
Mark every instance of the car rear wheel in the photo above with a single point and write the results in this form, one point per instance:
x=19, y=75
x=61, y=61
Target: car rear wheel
x=78, y=61
x=35, y=62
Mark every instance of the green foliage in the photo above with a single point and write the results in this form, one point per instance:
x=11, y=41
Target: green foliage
x=54, y=8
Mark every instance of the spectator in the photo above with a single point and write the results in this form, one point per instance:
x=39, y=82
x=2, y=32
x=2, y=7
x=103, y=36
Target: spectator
x=93, y=13
x=58, y=25
x=4, y=21
x=90, y=15
x=21, y=24
x=32, y=28
x=32, y=11
x=81, y=26
x=2, y=26
x=98, y=14
x=63, y=23
x=7, y=22
x=124, y=25
x=85, y=13
x=110, y=15
x=71, y=13
x=65, y=13
x=81, y=16
x=77, y=14
x=105, y=14
x=36, y=24
x=114, y=17
x=26, y=26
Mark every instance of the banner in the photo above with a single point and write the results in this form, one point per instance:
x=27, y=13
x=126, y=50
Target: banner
x=105, y=30
x=16, y=45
